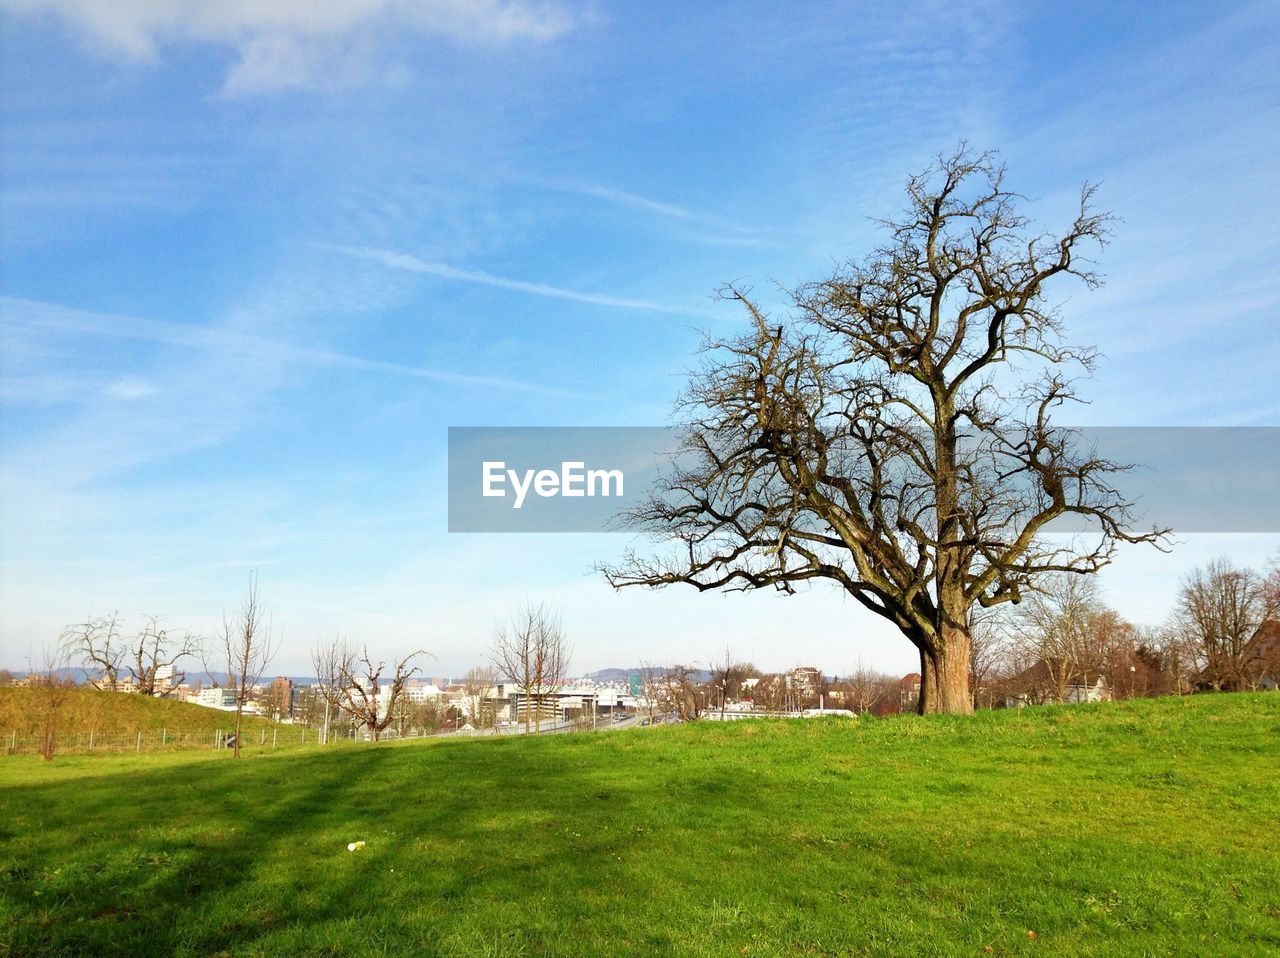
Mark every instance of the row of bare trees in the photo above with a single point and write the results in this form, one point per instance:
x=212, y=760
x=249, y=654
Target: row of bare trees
x=1222, y=635
x=149, y=661
x=113, y=659
x=531, y=652
x=1061, y=643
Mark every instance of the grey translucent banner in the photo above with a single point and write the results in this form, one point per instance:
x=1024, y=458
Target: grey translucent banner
x=580, y=479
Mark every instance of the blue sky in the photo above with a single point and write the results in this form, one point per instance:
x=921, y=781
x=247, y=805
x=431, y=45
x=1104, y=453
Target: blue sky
x=258, y=256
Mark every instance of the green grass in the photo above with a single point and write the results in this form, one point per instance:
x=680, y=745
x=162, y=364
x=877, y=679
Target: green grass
x=1143, y=828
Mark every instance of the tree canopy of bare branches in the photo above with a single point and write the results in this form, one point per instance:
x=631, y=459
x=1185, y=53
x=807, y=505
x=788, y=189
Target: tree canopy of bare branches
x=365, y=698
x=534, y=654
x=1220, y=608
x=100, y=648
x=476, y=686
x=727, y=675
x=152, y=653
x=894, y=434
x=864, y=688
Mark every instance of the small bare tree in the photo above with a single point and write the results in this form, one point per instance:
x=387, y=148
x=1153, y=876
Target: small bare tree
x=100, y=648
x=274, y=703
x=249, y=646
x=651, y=686
x=865, y=688
x=364, y=697
x=727, y=675
x=476, y=686
x=154, y=651
x=771, y=694
x=52, y=686
x=330, y=659
x=680, y=692
x=989, y=631
x=534, y=654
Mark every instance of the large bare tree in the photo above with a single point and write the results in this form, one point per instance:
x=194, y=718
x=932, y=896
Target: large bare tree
x=363, y=695
x=1220, y=608
x=248, y=646
x=894, y=433
x=533, y=653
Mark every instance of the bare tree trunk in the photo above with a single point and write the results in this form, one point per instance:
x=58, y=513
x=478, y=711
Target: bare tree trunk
x=927, y=701
x=239, y=720
x=951, y=671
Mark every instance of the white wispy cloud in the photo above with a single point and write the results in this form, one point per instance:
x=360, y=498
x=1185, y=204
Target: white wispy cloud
x=22, y=312
x=412, y=264
x=291, y=44
x=697, y=227
x=130, y=388
x=624, y=198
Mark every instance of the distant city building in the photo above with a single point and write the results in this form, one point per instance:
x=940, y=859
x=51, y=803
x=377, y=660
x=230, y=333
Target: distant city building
x=420, y=691
x=217, y=698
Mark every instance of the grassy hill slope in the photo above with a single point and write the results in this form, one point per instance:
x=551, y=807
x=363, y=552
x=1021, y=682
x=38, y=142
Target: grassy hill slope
x=113, y=717
x=1136, y=828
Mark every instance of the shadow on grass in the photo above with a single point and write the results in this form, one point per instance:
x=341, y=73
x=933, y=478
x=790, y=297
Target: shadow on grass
x=210, y=856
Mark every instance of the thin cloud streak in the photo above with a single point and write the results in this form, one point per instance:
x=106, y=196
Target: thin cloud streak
x=410, y=263
x=632, y=199
x=724, y=233
x=52, y=316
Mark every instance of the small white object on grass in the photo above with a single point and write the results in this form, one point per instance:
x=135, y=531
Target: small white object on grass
x=353, y=846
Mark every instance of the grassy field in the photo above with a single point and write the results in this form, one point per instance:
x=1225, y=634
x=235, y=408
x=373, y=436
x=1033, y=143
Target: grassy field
x=1141, y=828
x=113, y=720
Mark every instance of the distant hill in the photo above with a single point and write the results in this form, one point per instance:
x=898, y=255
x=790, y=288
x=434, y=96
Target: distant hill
x=609, y=675
x=624, y=675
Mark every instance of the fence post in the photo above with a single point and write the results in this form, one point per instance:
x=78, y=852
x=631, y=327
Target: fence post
x=139, y=741
x=91, y=740
x=164, y=736
x=13, y=743
x=273, y=737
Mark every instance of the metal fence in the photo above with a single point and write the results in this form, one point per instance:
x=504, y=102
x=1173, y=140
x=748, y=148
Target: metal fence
x=282, y=736
x=157, y=740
